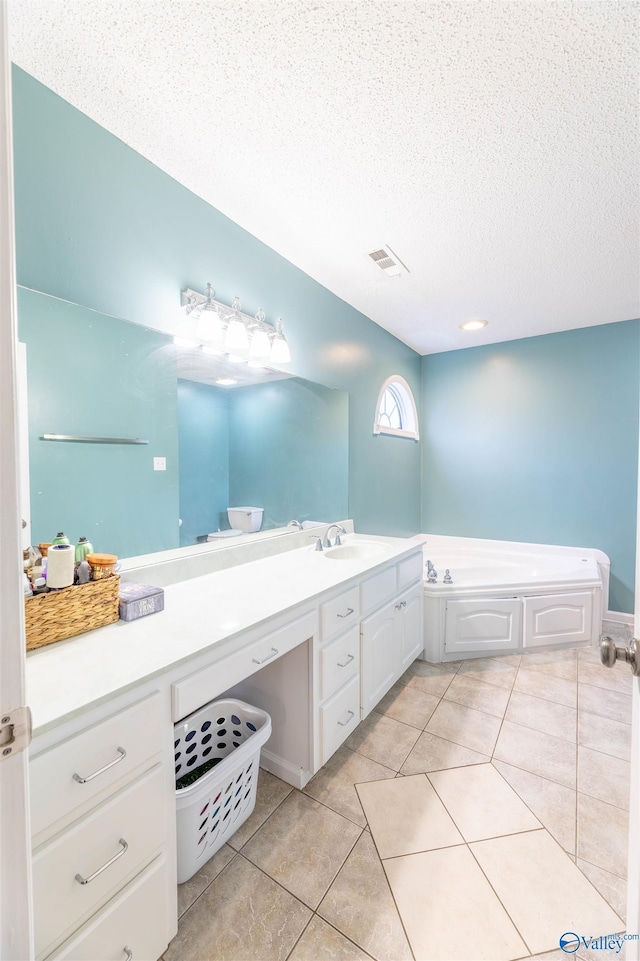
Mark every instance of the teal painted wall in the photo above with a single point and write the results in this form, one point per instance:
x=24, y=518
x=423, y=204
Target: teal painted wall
x=91, y=378
x=203, y=449
x=537, y=440
x=289, y=451
x=99, y=225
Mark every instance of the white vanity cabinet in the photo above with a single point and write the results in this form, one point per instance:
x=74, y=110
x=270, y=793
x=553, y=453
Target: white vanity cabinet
x=339, y=670
x=102, y=828
x=392, y=637
x=102, y=766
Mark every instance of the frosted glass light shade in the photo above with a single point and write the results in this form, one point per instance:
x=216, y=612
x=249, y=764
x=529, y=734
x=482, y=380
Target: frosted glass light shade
x=280, y=353
x=260, y=349
x=209, y=327
x=237, y=339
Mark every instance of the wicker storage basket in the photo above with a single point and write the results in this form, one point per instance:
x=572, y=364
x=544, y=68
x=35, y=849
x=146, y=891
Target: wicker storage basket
x=59, y=614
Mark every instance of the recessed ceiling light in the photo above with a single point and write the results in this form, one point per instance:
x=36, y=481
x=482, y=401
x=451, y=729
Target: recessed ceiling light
x=473, y=324
x=226, y=381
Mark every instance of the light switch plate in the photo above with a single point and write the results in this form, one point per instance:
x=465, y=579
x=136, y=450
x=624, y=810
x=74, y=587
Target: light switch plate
x=159, y=463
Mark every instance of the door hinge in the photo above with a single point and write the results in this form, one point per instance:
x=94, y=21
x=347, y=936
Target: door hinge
x=15, y=732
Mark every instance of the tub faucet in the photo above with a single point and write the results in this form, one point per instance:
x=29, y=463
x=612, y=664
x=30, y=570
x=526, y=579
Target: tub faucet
x=432, y=574
x=340, y=530
x=296, y=524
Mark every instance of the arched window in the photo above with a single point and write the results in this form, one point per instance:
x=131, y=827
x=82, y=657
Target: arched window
x=396, y=411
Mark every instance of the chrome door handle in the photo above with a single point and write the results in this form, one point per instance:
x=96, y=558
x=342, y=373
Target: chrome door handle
x=274, y=651
x=84, y=780
x=350, y=714
x=349, y=611
x=609, y=654
x=348, y=661
x=116, y=857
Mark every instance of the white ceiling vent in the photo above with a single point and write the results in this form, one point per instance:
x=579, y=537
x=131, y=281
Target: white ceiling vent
x=388, y=261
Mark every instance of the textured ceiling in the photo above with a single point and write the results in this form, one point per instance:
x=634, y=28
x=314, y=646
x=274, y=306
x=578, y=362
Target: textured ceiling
x=493, y=145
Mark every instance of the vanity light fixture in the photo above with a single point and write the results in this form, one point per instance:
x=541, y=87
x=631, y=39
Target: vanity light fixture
x=222, y=329
x=473, y=324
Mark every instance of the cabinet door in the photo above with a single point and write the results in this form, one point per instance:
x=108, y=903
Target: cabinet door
x=482, y=625
x=557, y=619
x=378, y=655
x=411, y=623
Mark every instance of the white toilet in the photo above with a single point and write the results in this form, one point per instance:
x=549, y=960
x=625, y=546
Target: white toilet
x=243, y=520
x=247, y=520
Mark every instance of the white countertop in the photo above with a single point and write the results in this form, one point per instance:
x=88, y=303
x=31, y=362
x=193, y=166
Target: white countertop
x=69, y=676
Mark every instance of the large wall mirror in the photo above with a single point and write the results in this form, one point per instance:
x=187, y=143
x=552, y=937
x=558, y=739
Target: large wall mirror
x=280, y=444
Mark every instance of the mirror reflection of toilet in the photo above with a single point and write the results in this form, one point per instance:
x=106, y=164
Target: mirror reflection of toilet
x=243, y=520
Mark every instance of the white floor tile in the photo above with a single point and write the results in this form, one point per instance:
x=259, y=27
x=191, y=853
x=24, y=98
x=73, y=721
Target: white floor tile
x=448, y=908
x=481, y=802
x=472, y=729
x=543, y=890
x=406, y=815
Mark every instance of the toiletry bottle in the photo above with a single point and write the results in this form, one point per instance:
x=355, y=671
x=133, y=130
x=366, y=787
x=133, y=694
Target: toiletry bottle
x=84, y=572
x=60, y=538
x=83, y=547
x=27, y=587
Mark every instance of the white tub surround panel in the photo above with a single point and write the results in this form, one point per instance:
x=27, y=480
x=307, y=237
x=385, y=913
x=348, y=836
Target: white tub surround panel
x=507, y=597
x=288, y=633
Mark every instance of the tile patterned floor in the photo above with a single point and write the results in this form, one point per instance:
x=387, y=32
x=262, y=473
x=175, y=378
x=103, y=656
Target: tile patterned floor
x=478, y=813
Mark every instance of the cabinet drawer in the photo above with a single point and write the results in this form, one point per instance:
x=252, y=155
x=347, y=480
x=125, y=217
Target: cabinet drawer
x=410, y=570
x=340, y=612
x=203, y=686
x=339, y=661
x=99, y=756
x=136, y=816
x=339, y=717
x=132, y=920
x=378, y=589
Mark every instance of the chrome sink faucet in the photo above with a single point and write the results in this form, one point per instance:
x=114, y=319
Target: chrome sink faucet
x=340, y=530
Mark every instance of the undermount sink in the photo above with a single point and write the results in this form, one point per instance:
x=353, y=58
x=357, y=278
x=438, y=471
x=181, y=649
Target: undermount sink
x=356, y=551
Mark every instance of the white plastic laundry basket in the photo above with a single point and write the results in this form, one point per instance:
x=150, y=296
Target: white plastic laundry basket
x=211, y=809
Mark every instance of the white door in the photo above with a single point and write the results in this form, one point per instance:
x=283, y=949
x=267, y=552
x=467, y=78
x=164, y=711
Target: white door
x=15, y=852
x=633, y=883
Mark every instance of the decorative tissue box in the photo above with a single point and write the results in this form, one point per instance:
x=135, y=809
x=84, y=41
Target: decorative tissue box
x=137, y=600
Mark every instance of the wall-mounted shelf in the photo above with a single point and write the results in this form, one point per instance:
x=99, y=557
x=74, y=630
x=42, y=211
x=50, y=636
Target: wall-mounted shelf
x=77, y=439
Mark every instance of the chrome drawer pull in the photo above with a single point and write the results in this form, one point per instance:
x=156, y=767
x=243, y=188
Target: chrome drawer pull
x=348, y=661
x=350, y=715
x=349, y=611
x=274, y=651
x=128, y=953
x=125, y=848
x=83, y=780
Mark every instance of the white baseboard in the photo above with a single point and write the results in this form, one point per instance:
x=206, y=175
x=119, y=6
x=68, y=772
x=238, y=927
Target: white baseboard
x=619, y=617
x=284, y=770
